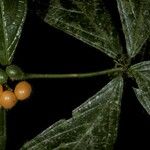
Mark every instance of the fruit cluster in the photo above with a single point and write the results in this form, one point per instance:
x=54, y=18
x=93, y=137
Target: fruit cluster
x=9, y=98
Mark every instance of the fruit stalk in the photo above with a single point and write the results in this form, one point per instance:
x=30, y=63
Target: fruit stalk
x=2, y=129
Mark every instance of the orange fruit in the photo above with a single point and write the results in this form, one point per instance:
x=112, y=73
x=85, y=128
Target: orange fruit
x=23, y=90
x=8, y=99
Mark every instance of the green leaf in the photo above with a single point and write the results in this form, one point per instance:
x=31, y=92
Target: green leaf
x=135, y=17
x=142, y=67
x=141, y=72
x=143, y=99
x=87, y=20
x=93, y=125
x=2, y=129
x=12, y=16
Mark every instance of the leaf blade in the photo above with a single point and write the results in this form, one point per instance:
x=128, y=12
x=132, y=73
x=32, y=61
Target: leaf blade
x=135, y=16
x=141, y=73
x=88, y=21
x=143, y=99
x=12, y=16
x=95, y=127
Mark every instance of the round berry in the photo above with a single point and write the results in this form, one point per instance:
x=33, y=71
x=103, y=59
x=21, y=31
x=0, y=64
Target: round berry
x=14, y=72
x=3, y=76
x=22, y=90
x=8, y=99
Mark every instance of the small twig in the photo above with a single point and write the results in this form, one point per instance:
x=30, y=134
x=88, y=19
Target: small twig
x=72, y=75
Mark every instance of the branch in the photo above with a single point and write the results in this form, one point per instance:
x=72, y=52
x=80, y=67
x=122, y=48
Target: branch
x=72, y=75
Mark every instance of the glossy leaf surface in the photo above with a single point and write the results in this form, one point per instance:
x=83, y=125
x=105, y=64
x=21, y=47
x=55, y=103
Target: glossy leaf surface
x=93, y=125
x=144, y=99
x=135, y=17
x=87, y=20
x=141, y=73
x=12, y=16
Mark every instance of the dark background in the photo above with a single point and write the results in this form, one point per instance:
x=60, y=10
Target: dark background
x=44, y=49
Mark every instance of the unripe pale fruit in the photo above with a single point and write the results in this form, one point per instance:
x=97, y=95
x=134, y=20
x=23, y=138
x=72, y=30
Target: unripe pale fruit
x=3, y=76
x=14, y=72
x=8, y=99
x=23, y=90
